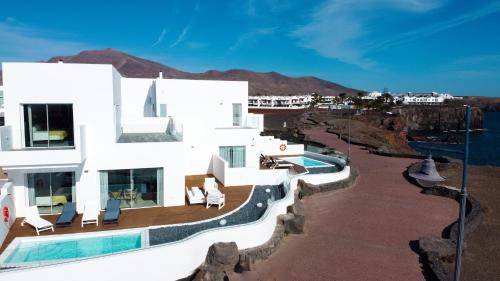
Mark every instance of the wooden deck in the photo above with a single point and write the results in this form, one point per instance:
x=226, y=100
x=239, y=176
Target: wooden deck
x=133, y=218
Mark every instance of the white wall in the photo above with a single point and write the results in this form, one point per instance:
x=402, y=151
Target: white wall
x=203, y=107
x=6, y=201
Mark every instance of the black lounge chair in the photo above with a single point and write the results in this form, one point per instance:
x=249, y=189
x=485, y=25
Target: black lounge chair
x=112, y=212
x=68, y=215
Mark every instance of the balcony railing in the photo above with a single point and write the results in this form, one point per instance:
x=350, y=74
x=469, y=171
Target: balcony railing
x=16, y=156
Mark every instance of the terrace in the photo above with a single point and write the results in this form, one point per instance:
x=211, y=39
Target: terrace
x=136, y=218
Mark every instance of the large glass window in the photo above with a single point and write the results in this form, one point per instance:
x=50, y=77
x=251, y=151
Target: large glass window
x=135, y=188
x=48, y=125
x=50, y=191
x=236, y=114
x=234, y=155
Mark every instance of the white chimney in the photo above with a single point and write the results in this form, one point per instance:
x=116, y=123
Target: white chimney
x=161, y=75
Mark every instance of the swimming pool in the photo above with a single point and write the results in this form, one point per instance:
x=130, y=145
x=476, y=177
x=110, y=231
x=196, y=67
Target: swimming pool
x=46, y=250
x=305, y=161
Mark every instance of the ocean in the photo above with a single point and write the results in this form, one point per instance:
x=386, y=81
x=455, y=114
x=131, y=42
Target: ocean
x=484, y=145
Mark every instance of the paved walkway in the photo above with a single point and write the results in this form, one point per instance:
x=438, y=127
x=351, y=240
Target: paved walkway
x=360, y=233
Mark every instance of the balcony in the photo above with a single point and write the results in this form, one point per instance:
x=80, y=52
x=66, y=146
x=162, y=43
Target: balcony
x=41, y=157
x=252, y=121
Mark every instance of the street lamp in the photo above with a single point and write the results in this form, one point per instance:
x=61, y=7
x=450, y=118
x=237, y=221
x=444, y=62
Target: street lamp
x=463, y=198
x=463, y=194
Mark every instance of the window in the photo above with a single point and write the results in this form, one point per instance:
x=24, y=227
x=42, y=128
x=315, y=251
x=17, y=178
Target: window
x=135, y=188
x=50, y=191
x=236, y=114
x=48, y=125
x=163, y=110
x=234, y=155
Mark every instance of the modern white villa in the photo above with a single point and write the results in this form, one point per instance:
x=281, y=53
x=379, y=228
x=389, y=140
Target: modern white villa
x=82, y=133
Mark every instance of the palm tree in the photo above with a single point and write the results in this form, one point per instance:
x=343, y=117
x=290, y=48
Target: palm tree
x=342, y=97
x=387, y=97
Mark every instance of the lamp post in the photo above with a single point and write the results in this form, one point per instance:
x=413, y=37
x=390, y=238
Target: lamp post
x=349, y=135
x=463, y=198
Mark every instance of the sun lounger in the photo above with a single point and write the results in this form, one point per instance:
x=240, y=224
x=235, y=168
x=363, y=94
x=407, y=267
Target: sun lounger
x=195, y=195
x=112, y=212
x=216, y=198
x=33, y=218
x=68, y=215
x=210, y=185
x=90, y=213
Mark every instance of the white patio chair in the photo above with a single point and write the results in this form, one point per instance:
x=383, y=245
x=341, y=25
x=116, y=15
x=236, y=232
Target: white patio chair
x=195, y=195
x=33, y=218
x=90, y=213
x=216, y=198
x=210, y=185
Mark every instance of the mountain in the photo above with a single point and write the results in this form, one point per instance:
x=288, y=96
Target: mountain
x=260, y=83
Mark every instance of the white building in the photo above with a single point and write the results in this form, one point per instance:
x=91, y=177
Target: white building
x=372, y=95
x=82, y=133
x=1, y=106
x=300, y=101
x=432, y=98
x=287, y=102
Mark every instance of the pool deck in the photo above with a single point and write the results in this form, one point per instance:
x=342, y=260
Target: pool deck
x=134, y=218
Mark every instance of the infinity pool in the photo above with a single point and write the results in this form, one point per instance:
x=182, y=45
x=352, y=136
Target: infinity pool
x=72, y=248
x=305, y=161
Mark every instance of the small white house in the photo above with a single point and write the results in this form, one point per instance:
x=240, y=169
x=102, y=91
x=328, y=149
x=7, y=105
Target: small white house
x=82, y=133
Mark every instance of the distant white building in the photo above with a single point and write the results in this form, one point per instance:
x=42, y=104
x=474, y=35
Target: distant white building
x=432, y=98
x=296, y=101
x=372, y=95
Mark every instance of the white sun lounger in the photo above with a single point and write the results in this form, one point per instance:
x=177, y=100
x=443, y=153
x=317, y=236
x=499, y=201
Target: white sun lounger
x=216, y=198
x=210, y=185
x=33, y=218
x=90, y=213
x=195, y=195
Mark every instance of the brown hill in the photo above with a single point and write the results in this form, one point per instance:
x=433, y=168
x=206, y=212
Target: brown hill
x=261, y=83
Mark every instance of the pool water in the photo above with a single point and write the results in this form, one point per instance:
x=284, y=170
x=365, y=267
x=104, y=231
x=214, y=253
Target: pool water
x=38, y=251
x=305, y=161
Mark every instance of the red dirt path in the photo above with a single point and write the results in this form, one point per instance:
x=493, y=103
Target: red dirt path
x=360, y=233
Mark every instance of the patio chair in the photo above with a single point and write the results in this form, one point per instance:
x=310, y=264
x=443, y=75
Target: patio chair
x=33, y=218
x=195, y=196
x=210, y=185
x=216, y=198
x=112, y=211
x=68, y=215
x=279, y=165
x=91, y=213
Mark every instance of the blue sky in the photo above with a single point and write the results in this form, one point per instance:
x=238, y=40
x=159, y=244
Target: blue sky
x=404, y=45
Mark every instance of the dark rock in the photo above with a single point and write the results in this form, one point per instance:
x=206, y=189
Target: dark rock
x=248, y=257
x=223, y=256
x=445, y=248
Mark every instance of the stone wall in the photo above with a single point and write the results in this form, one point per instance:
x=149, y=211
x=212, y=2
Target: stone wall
x=435, y=251
x=220, y=257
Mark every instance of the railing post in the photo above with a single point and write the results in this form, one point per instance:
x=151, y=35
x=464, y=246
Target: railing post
x=463, y=199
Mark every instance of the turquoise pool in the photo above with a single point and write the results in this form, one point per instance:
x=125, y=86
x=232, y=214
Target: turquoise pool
x=72, y=248
x=305, y=161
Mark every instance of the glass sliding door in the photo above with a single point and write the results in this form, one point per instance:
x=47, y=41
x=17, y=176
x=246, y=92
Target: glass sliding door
x=236, y=114
x=135, y=188
x=50, y=191
x=48, y=125
x=234, y=155
x=35, y=125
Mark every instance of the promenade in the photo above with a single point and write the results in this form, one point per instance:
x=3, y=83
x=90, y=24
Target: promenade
x=363, y=232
